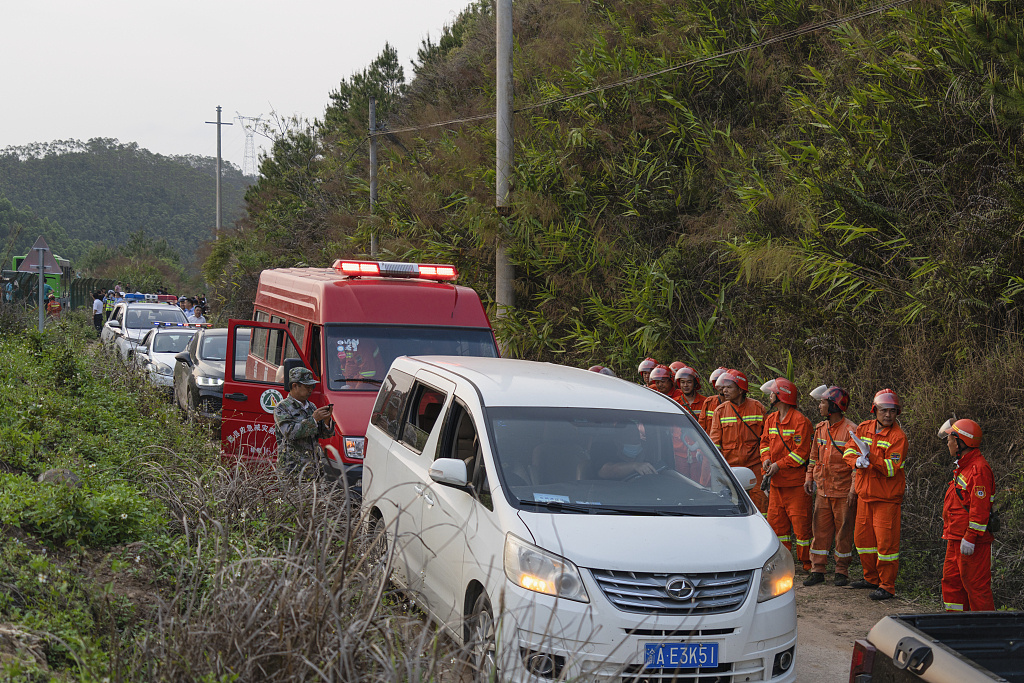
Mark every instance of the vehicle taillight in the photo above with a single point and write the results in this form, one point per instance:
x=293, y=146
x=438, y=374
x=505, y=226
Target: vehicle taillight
x=862, y=662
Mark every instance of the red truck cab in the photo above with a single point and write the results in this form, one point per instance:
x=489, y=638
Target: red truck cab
x=346, y=324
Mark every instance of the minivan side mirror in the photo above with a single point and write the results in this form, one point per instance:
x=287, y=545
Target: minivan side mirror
x=745, y=476
x=450, y=472
x=116, y=324
x=184, y=358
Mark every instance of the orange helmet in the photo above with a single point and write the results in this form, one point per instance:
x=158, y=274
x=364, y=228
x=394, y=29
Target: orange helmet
x=687, y=371
x=967, y=431
x=838, y=397
x=886, y=398
x=660, y=372
x=675, y=365
x=783, y=389
x=736, y=377
x=600, y=369
x=646, y=365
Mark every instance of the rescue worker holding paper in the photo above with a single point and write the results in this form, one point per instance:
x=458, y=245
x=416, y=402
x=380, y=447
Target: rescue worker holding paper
x=736, y=428
x=878, y=452
x=785, y=448
x=966, y=516
x=835, y=501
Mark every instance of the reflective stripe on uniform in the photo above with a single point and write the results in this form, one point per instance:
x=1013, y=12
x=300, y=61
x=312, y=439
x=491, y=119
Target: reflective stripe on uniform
x=867, y=551
x=888, y=558
x=842, y=554
x=727, y=420
x=786, y=539
x=753, y=418
x=953, y=606
x=803, y=542
x=797, y=459
x=819, y=552
x=980, y=528
x=889, y=468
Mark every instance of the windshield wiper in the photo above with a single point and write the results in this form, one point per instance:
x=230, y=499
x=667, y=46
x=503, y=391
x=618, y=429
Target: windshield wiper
x=652, y=512
x=559, y=505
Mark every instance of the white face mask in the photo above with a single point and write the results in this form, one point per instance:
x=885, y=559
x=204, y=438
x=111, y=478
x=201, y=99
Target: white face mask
x=631, y=450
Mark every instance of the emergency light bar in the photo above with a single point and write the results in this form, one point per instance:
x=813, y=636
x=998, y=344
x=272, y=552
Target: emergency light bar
x=422, y=271
x=158, y=324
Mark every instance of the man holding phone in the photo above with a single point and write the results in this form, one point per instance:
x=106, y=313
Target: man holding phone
x=299, y=426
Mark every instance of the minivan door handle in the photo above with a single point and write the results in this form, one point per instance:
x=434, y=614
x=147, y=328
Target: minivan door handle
x=426, y=497
x=236, y=397
x=419, y=489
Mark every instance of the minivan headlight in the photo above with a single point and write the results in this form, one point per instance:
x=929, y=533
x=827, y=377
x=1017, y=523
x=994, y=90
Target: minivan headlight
x=537, y=570
x=776, y=575
x=209, y=381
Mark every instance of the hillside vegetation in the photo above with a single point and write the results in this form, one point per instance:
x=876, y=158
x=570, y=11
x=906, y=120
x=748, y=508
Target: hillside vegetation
x=844, y=206
x=102, y=191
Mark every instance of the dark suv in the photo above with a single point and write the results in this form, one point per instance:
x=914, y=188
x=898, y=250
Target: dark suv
x=199, y=371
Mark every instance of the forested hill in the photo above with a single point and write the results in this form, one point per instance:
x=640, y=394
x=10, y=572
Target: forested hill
x=103, y=191
x=844, y=205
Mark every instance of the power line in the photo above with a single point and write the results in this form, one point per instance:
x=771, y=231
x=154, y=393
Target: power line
x=787, y=35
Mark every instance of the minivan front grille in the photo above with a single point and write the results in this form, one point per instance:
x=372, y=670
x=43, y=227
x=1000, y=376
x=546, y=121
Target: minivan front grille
x=674, y=594
x=715, y=674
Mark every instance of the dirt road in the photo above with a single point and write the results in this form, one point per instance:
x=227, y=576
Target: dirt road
x=829, y=619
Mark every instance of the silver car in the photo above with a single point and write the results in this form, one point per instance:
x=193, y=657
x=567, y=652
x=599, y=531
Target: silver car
x=155, y=353
x=129, y=323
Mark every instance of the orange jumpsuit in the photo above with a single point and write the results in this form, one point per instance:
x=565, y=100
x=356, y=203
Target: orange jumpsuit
x=787, y=441
x=710, y=404
x=880, y=489
x=736, y=432
x=967, y=579
x=834, y=478
x=694, y=407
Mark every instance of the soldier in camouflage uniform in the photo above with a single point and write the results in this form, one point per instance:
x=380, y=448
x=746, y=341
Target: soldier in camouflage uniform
x=298, y=425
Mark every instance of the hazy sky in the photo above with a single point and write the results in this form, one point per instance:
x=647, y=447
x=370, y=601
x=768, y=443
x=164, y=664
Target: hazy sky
x=153, y=73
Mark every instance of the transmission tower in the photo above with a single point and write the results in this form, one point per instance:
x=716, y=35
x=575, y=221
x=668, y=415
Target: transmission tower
x=249, y=123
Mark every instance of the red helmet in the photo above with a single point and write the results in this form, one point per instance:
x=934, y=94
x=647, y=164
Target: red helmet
x=838, y=397
x=967, y=431
x=660, y=372
x=646, y=365
x=886, y=398
x=783, y=389
x=596, y=368
x=687, y=371
x=736, y=377
x=675, y=365
x=716, y=374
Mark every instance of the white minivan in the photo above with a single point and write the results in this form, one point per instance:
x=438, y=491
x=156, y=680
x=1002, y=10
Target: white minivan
x=564, y=524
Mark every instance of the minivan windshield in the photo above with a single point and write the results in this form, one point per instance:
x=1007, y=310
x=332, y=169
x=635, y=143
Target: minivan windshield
x=143, y=319
x=358, y=356
x=602, y=461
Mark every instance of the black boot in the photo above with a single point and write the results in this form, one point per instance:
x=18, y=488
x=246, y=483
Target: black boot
x=814, y=579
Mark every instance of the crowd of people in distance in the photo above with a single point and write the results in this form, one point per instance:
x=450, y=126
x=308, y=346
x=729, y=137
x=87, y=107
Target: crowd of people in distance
x=103, y=304
x=838, y=485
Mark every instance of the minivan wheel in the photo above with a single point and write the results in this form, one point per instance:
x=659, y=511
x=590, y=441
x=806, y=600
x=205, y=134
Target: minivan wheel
x=377, y=554
x=480, y=641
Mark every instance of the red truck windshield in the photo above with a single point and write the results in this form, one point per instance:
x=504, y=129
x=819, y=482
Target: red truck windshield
x=358, y=356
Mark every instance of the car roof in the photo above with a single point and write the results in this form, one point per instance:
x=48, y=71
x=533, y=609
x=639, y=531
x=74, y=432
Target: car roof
x=510, y=382
x=148, y=304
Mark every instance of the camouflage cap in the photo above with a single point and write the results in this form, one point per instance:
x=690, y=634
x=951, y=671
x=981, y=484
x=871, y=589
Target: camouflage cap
x=302, y=376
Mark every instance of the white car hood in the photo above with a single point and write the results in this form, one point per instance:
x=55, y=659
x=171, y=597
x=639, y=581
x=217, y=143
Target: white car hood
x=655, y=544
x=165, y=358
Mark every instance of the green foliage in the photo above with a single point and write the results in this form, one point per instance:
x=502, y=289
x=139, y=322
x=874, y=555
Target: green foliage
x=102, y=191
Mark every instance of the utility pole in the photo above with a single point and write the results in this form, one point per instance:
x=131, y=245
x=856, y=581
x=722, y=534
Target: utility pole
x=216, y=233
x=373, y=172
x=504, y=272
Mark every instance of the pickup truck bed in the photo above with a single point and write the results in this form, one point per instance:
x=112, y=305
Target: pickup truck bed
x=964, y=647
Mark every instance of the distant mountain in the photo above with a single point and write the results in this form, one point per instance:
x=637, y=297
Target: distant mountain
x=104, y=190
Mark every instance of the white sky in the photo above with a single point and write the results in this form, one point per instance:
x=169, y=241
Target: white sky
x=153, y=73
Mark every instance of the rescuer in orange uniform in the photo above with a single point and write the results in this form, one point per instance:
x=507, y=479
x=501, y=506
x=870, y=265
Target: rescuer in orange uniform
x=967, y=571
x=646, y=365
x=878, y=453
x=712, y=401
x=736, y=428
x=833, y=477
x=785, y=448
x=663, y=383
x=688, y=384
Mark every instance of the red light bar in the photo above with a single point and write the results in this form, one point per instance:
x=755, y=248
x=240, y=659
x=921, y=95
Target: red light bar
x=423, y=271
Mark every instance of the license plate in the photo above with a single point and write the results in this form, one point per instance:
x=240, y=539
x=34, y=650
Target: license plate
x=680, y=655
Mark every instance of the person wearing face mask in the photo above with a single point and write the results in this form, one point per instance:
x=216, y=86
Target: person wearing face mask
x=736, y=430
x=966, y=511
x=628, y=460
x=878, y=454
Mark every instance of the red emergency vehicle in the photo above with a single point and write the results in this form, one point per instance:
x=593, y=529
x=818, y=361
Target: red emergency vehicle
x=346, y=324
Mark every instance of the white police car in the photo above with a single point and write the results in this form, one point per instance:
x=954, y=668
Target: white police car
x=155, y=353
x=131, y=320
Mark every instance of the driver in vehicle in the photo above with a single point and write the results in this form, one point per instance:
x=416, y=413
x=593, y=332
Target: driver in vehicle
x=628, y=458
